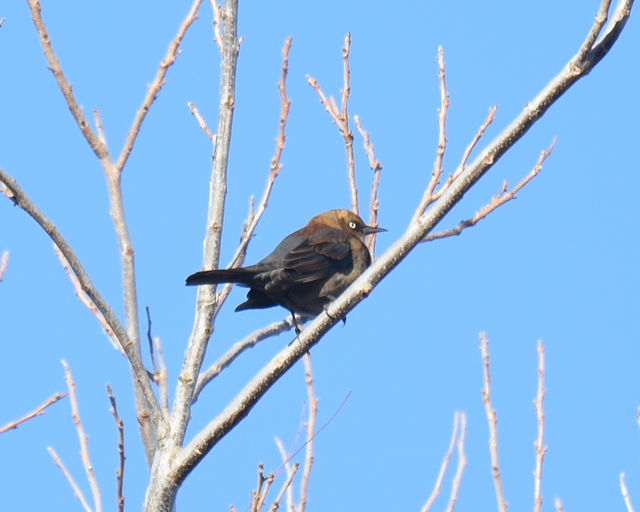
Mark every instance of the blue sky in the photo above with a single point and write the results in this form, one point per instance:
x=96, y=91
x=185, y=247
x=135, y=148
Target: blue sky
x=559, y=264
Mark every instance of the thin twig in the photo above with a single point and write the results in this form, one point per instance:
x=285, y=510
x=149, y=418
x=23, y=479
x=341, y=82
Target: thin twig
x=462, y=463
x=154, y=363
x=502, y=197
x=254, y=217
x=344, y=116
x=557, y=503
x=443, y=466
x=492, y=419
x=82, y=437
x=262, y=496
x=275, y=165
x=376, y=166
x=427, y=197
x=74, y=486
x=237, y=348
x=158, y=81
x=600, y=20
x=121, y=457
x=217, y=22
x=201, y=121
x=258, y=493
x=467, y=153
x=341, y=118
x=99, y=127
x=4, y=263
x=540, y=448
x=98, y=147
x=311, y=425
x=162, y=377
x=625, y=493
x=38, y=411
x=291, y=472
x=84, y=298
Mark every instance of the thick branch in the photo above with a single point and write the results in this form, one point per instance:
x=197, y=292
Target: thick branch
x=14, y=192
x=218, y=187
x=98, y=146
x=241, y=405
x=162, y=490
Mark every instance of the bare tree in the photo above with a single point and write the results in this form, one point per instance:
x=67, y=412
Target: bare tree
x=170, y=455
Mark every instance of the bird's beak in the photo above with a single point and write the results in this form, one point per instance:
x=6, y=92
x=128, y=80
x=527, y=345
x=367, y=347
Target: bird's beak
x=368, y=230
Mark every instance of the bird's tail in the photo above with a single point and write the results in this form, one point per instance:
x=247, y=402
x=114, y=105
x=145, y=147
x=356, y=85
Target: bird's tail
x=232, y=275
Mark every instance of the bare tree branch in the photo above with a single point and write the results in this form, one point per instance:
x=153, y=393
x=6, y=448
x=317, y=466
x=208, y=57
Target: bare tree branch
x=341, y=118
x=159, y=80
x=217, y=22
x=444, y=465
x=291, y=472
x=206, y=299
x=38, y=411
x=86, y=300
x=376, y=166
x=98, y=147
x=240, y=406
x=462, y=463
x=427, y=197
x=625, y=494
x=498, y=200
x=163, y=487
x=259, y=494
x=14, y=192
x=311, y=426
x=540, y=448
x=492, y=420
x=201, y=122
x=4, y=263
x=121, y=457
x=274, y=170
x=74, y=485
x=82, y=437
x=238, y=348
x=467, y=153
x=149, y=413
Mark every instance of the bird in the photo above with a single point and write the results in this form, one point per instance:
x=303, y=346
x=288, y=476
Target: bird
x=307, y=270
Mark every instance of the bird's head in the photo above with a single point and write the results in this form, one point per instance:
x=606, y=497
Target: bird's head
x=347, y=220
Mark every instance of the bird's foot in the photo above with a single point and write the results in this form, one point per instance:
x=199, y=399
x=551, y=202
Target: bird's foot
x=344, y=318
x=296, y=325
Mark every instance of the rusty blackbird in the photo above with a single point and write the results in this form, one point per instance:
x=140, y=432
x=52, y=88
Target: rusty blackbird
x=307, y=270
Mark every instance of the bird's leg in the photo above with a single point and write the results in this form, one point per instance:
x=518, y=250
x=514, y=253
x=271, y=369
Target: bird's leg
x=296, y=326
x=344, y=318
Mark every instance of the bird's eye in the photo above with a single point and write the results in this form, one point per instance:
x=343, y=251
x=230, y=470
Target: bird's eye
x=352, y=225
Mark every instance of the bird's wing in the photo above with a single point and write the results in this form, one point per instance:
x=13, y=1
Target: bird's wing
x=319, y=256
